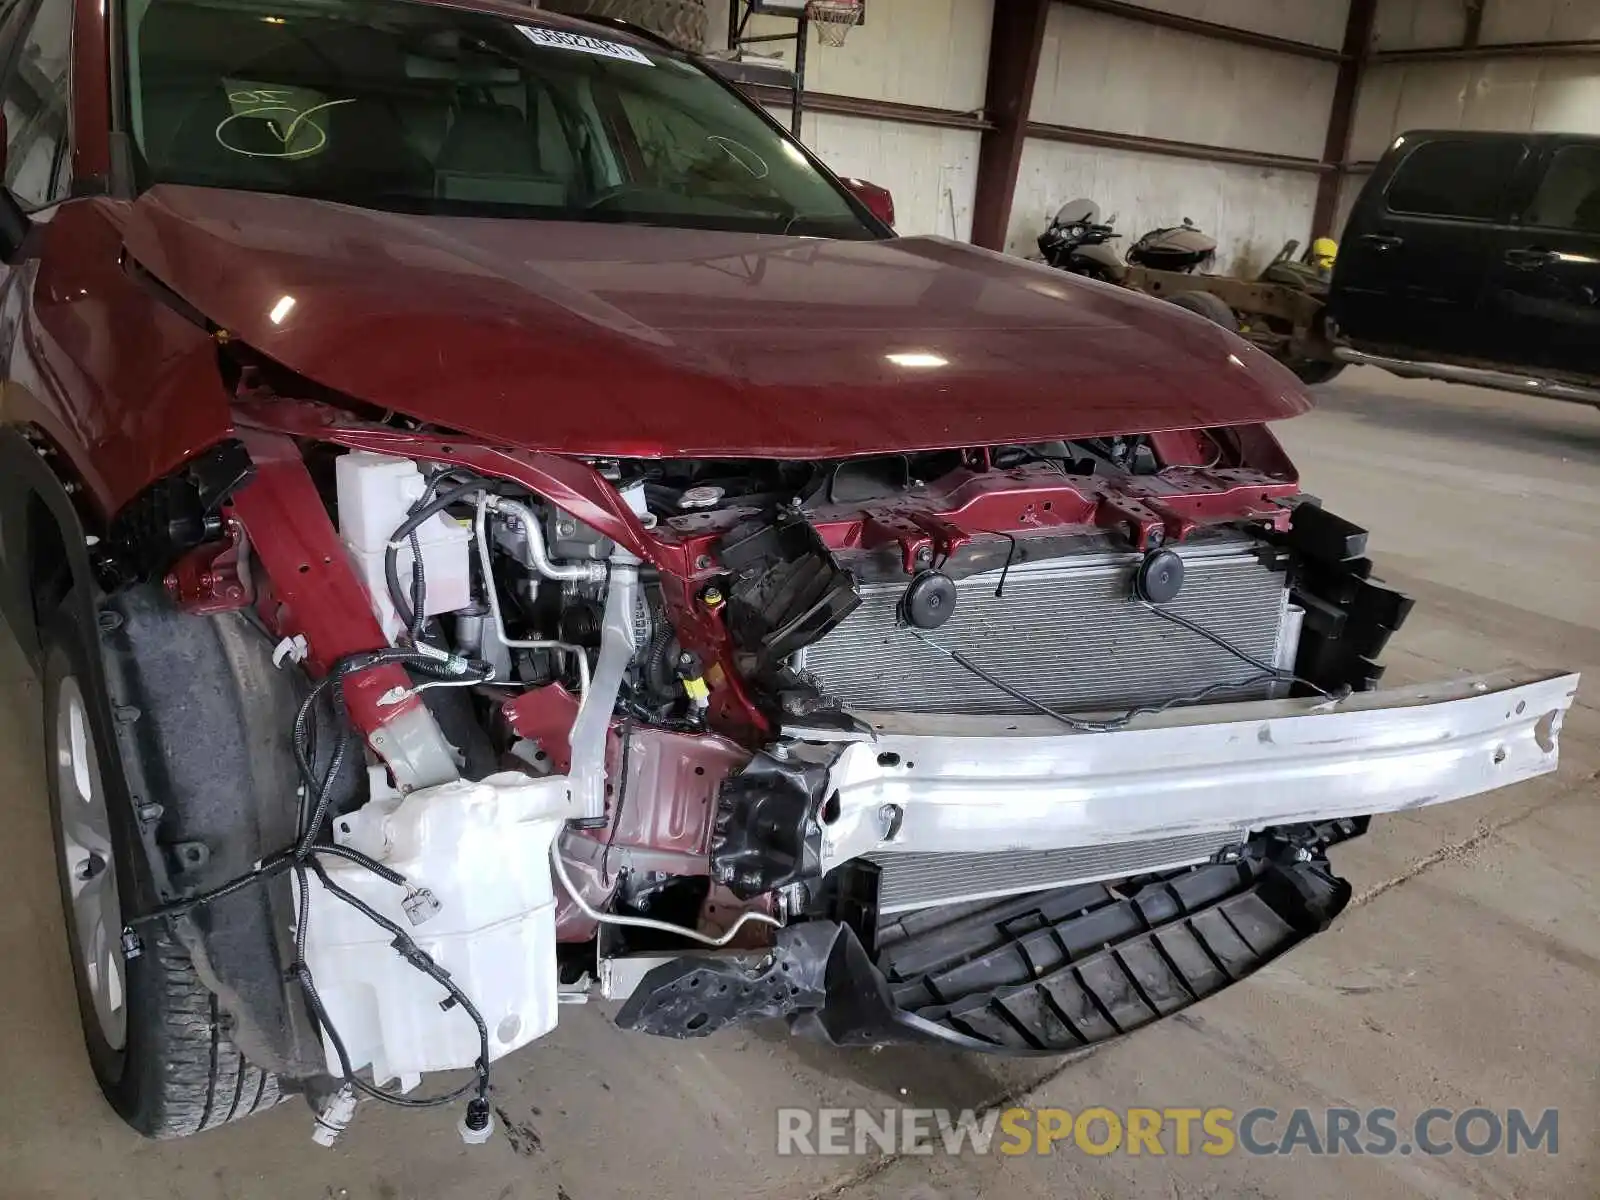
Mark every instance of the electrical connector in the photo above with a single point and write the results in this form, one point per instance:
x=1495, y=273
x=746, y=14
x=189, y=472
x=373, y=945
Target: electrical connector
x=335, y=1116
x=477, y=1125
x=420, y=905
x=293, y=649
x=455, y=664
x=694, y=684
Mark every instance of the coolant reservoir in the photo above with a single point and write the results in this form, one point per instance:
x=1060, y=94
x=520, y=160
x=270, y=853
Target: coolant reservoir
x=483, y=851
x=376, y=491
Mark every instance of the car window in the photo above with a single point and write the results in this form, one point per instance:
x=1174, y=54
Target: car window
x=423, y=108
x=36, y=109
x=1464, y=179
x=1569, y=194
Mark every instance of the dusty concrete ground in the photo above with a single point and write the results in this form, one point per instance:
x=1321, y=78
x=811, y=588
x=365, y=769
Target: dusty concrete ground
x=1466, y=972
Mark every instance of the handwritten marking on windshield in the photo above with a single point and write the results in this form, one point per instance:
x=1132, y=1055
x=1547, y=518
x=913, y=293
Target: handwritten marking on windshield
x=266, y=101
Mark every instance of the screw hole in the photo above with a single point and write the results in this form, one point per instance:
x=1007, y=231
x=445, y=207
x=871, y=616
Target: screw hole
x=305, y=568
x=888, y=759
x=699, y=770
x=697, y=1021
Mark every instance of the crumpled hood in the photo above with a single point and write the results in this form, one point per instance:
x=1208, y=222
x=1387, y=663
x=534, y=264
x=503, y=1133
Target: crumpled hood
x=596, y=339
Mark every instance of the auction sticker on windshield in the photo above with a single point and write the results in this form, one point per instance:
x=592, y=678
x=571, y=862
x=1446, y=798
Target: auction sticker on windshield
x=583, y=43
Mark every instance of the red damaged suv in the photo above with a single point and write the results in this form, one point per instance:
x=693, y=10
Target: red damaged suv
x=499, y=524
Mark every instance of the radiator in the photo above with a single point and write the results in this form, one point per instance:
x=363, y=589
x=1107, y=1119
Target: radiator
x=909, y=881
x=1066, y=632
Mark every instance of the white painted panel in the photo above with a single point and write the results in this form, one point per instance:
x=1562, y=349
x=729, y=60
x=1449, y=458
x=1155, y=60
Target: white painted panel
x=929, y=52
x=1320, y=22
x=1105, y=72
x=1412, y=24
x=1509, y=94
x=1249, y=210
x=1567, y=98
x=1540, y=20
x=931, y=172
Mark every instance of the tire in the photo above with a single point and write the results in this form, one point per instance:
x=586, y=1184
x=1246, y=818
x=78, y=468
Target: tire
x=684, y=23
x=1311, y=370
x=1208, y=306
x=162, y=1058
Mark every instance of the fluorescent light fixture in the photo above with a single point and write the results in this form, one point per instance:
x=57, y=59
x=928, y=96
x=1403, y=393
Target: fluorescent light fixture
x=920, y=360
x=281, y=309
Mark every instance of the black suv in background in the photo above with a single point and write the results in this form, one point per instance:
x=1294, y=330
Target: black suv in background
x=1475, y=257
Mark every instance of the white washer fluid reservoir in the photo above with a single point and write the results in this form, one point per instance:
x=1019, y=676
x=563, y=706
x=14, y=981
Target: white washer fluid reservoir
x=375, y=492
x=483, y=851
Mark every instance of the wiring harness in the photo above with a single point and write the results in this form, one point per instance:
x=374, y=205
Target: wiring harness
x=318, y=779
x=318, y=776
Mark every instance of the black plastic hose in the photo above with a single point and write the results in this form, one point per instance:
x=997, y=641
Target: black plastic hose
x=409, y=612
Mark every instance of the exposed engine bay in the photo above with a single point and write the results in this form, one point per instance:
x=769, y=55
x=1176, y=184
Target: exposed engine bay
x=833, y=741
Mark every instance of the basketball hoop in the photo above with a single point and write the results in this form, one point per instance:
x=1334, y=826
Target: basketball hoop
x=833, y=19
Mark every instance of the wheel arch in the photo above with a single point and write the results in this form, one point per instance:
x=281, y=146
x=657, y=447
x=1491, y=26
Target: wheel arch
x=44, y=547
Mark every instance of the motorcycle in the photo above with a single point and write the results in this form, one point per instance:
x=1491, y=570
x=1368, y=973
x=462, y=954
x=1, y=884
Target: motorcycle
x=1184, y=248
x=1077, y=241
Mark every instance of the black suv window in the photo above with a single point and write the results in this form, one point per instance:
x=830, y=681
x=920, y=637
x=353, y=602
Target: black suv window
x=36, y=108
x=1454, y=179
x=1569, y=194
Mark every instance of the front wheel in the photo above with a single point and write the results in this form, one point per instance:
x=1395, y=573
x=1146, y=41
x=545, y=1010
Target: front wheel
x=154, y=1034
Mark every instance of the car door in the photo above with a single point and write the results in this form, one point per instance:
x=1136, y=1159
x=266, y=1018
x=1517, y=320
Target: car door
x=1416, y=250
x=1542, y=294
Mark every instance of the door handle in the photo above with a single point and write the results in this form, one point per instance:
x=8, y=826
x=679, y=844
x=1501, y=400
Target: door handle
x=1382, y=241
x=1529, y=258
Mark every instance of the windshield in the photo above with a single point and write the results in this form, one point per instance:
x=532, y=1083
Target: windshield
x=421, y=108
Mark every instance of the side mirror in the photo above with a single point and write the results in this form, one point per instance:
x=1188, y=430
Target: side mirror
x=878, y=200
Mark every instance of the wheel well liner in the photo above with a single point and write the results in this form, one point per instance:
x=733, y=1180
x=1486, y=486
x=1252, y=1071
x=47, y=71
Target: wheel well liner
x=202, y=722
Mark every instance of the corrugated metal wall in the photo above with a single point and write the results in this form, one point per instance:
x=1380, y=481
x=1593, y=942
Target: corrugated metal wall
x=1320, y=22
x=1100, y=72
x=1251, y=211
x=928, y=52
x=932, y=172
x=1108, y=73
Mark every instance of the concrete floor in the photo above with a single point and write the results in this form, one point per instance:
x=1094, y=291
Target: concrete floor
x=1467, y=971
